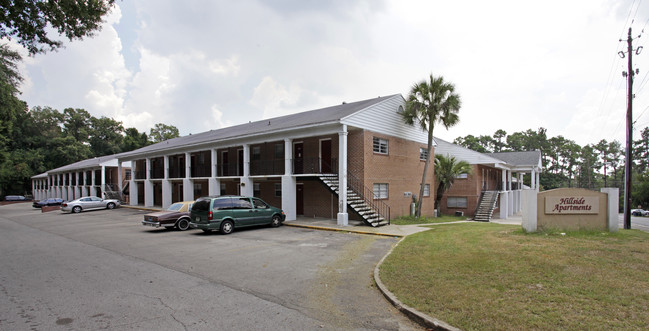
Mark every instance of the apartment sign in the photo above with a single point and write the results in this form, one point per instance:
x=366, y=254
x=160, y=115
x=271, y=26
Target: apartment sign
x=572, y=205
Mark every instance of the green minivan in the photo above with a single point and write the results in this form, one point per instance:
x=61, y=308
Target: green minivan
x=228, y=212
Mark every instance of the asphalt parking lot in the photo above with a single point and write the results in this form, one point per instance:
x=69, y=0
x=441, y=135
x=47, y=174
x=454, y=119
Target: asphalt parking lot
x=103, y=269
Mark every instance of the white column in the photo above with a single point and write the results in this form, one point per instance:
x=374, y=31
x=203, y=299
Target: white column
x=166, y=185
x=538, y=180
x=103, y=182
x=247, y=188
x=188, y=186
x=613, y=202
x=529, y=210
x=504, y=206
x=148, y=185
x=93, y=189
x=119, y=176
x=343, y=217
x=289, y=183
x=533, y=180
x=132, y=186
x=214, y=184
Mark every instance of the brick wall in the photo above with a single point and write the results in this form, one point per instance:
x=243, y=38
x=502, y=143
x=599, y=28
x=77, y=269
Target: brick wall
x=401, y=169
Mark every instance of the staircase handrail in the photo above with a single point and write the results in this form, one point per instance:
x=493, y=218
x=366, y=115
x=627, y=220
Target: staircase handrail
x=364, y=192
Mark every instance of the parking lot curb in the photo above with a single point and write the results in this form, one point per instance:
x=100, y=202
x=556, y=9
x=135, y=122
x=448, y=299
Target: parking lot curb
x=315, y=227
x=415, y=315
x=140, y=208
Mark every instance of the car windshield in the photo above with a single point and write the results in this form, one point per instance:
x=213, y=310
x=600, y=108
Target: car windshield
x=175, y=207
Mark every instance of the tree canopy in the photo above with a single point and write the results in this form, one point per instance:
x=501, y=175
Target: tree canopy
x=28, y=21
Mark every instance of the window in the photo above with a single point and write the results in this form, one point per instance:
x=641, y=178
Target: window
x=256, y=190
x=243, y=203
x=423, y=153
x=457, y=202
x=278, y=189
x=427, y=190
x=380, y=146
x=380, y=191
x=259, y=204
x=462, y=176
x=220, y=204
x=256, y=153
x=223, y=188
x=279, y=151
x=198, y=189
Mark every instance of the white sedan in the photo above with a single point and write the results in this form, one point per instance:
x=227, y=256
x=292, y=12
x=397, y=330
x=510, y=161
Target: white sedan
x=89, y=203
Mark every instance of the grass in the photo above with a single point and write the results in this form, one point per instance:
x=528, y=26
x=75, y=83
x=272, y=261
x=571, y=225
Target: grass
x=482, y=276
x=406, y=220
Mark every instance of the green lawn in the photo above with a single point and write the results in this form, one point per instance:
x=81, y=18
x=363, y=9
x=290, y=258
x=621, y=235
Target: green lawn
x=483, y=276
x=405, y=220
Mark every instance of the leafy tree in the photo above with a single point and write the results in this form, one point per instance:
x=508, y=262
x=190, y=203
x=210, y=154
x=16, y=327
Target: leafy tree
x=429, y=102
x=105, y=136
x=499, y=144
x=76, y=123
x=134, y=140
x=447, y=168
x=29, y=21
x=161, y=132
x=472, y=142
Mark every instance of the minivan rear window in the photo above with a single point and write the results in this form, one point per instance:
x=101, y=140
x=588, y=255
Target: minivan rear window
x=201, y=205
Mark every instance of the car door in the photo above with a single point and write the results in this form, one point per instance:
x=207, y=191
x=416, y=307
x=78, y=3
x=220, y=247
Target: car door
x=263, y=212
x=244, y=212
x=96, y=203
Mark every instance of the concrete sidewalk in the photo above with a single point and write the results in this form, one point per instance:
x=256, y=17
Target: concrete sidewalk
x=391, y=230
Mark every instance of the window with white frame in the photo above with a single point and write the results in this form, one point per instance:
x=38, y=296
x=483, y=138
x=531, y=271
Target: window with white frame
x=256, y=191
x=278, y=189
x=462, y=176
x=256, y=153
x=423, y=153
x=380, y=146
x=279, y=151
x=427, y=190
x=456, y=202
x=380, y=191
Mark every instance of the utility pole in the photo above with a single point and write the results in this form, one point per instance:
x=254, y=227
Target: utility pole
x=629, y=131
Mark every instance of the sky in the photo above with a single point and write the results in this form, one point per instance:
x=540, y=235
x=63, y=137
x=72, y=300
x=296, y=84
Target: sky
x=203, y=65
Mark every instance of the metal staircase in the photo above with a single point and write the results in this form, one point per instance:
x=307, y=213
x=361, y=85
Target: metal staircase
x=486, y=206
x=374, y=213
x=111, y=192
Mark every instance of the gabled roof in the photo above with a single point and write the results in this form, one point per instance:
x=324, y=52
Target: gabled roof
x=95, y=162
x=304, y=119
x=530, y=158
x=464, y=154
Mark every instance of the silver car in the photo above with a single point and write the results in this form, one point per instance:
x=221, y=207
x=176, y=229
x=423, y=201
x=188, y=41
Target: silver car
x=89, y=203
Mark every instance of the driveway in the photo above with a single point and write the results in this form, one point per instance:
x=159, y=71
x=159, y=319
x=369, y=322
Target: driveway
x=103, y=269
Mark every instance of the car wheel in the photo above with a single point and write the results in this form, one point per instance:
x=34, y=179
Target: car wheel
x=76, y=209
x=276, y=221
x=183, y=224
x=227, y=227
x=110, y=205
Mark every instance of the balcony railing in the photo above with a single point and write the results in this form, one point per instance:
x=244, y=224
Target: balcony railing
x=177, y=173
x=267, y=167
x=314, y=165
x=157, y=173
x=229, y=169
x=202, y=170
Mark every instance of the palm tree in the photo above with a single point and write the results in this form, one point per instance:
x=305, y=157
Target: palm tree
x=428, y=103
x=447, y=168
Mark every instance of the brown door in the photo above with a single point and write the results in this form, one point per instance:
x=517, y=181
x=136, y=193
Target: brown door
x=325, y=156
x=299, y=200
x=298, y=158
